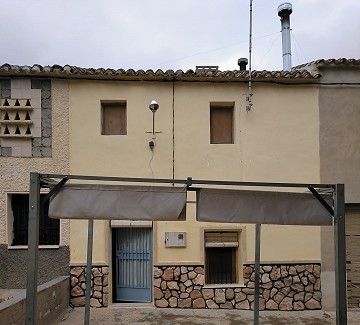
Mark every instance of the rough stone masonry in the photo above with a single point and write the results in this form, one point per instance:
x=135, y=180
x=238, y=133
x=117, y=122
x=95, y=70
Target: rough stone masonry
x=282, y=287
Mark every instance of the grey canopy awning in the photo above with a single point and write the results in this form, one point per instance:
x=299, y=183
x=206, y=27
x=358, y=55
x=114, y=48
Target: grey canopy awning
x=92, y=201
x=262, y=207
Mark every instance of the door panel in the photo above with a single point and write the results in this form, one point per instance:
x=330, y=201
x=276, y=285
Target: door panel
x=352, y=230
x=133, y=264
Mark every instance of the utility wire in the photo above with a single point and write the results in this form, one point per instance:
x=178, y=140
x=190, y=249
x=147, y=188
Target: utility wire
x=212, y=50
x=298, y=46
x=270, y=48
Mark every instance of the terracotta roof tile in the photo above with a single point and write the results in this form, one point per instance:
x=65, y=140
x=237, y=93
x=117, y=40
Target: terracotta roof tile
x=68, y=71
x=330, y=62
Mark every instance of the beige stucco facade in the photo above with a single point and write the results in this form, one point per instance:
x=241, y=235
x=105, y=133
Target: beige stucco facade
x=277, y=141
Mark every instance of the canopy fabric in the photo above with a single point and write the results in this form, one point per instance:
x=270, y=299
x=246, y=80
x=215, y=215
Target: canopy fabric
x=92, y=201
x=262, y=207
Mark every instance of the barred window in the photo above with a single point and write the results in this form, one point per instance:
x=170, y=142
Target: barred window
x=49, y=229
x=221, y=257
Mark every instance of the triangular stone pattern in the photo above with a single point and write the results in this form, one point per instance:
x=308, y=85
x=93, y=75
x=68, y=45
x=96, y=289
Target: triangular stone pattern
x=21, y=118
x=15, y=118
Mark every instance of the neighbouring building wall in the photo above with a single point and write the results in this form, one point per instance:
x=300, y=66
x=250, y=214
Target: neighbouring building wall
x=49, y=153
x=277, y=141
x=339, y=105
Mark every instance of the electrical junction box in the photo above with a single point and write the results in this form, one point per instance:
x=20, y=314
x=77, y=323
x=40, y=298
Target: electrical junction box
x=175, y=239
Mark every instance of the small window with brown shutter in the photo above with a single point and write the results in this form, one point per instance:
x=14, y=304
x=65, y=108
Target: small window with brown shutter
x=221, y=123
x=221, y=249
x=113, y=115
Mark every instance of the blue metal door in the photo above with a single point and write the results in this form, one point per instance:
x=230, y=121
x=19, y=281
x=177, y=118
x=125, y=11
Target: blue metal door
x=133, y=264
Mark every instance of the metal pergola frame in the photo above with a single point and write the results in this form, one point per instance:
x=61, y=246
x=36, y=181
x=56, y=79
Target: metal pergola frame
x=38, y=181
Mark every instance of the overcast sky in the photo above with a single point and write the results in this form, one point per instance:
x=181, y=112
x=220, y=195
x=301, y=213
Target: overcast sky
x=173, y=34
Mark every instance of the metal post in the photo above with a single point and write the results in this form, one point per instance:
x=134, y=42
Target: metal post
x=340, y=256
x=153, y=130
x=249, y=95
x=33, y=241
x=257, y=273
x=88, y=271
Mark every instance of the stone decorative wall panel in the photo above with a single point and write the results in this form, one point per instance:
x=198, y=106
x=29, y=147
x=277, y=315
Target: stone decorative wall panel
x=282, y=287
x=99, y=286
x=25, y=118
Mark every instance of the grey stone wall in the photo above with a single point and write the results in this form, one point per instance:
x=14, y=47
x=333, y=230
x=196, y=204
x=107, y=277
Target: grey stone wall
x=282, y=287
x=5, y=88
x=5, y=92
x=42, y=147
x=13, y=269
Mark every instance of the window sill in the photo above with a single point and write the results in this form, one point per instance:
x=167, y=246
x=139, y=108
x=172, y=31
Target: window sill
x=224, y=285
x=40, y=247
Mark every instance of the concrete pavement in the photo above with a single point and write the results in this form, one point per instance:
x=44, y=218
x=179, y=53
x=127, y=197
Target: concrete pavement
x=148, y=315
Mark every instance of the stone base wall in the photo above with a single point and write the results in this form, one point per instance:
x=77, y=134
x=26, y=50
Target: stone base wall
x=282, y=287
x=99, y=286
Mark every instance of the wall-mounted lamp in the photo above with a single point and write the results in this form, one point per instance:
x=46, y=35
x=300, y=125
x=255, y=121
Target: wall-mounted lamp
x=153, y=108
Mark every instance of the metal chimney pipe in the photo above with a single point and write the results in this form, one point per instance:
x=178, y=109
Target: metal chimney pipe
x=242, y=62
x=284, y=12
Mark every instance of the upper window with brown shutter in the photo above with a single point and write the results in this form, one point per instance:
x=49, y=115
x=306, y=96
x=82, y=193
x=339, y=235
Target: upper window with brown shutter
x=113, y=118
x=221, y=123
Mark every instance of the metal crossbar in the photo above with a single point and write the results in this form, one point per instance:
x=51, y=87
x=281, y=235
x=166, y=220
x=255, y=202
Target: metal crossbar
x=42, y=180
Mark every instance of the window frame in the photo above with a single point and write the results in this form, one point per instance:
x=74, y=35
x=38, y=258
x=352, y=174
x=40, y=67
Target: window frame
x=240, y=254
x=112, y=104
x=10, y=225
x=216, y=138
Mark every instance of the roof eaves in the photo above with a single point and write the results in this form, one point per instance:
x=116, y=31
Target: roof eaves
x=67, y=71
x=330, y=63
